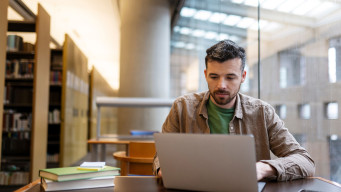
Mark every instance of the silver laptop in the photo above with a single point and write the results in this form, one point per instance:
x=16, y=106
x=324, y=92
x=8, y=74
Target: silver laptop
x=204, y=162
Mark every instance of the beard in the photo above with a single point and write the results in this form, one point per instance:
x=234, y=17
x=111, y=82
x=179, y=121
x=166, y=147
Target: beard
x=223, y=100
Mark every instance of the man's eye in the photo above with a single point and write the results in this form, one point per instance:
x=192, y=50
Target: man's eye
x=230, y=78
x=213, y=77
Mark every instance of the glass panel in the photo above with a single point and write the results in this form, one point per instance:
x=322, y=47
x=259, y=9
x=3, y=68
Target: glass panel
x=300, y=62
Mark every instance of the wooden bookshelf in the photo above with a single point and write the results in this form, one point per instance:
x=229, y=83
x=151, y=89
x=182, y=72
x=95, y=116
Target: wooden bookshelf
x=26, y=98
x=75, y=91
x=54, y=119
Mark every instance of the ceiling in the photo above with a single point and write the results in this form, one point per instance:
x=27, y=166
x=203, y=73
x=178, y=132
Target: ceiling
x=202, y=23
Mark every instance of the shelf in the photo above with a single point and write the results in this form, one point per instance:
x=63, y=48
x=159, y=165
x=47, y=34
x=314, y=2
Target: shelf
x=9, y=159
x=19, y=55
x=53, y=142
x=55, y=84
x=16, y=131
x=21, y=26
x=23, y=105
x=12, y=79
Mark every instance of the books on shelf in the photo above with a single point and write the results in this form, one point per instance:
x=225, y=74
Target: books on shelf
x=96, y=182
x=14, y=178
x=72, y=173
x=19, y=68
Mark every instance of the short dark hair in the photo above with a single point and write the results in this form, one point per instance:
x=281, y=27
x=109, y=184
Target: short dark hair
x=225, y=50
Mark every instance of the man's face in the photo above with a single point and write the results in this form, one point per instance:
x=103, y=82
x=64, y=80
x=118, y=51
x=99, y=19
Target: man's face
x=224, y=80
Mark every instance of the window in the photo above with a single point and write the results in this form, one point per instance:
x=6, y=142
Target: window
x=334, y=60
x=281, y=111
x=335, y=157
x=331, y=110
x=304, y=111
x=292, y=69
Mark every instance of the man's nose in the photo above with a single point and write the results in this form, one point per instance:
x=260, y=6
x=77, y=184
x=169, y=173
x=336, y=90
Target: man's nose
x=222, y=83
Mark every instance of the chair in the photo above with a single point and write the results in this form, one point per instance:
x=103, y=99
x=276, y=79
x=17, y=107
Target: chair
x=139, y=160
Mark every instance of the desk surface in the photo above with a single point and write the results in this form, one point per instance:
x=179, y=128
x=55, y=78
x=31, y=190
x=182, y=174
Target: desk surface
x=120, y=139
x=145, y=184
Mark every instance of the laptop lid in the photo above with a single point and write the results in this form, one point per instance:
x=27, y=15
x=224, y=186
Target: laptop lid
x=204, y=162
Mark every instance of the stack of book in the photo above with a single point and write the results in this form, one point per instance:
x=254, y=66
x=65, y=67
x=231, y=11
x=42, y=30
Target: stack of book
x=82, y=177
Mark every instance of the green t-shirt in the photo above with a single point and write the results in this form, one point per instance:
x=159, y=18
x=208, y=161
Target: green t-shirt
x=219, y=118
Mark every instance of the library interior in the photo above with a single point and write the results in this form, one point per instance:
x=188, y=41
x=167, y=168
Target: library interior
x=87, y=80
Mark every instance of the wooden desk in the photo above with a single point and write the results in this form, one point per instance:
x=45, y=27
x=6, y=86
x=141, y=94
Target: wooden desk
x=151, y=184
x=99, y=155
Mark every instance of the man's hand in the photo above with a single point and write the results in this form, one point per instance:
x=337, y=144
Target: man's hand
x=159, y=173
x=264, y=170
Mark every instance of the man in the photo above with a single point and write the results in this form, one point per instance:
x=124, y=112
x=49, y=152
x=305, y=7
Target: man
x=224, y=110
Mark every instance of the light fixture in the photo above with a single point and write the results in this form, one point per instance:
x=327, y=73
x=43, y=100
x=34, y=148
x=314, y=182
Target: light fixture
x=262, y=24
x=306, y=7
x=202, y=15
x=187, y=12
x=211, y=35
x=237, y=1
x=245, y=22
x=222, y=36
x=271, y=4
x=176, y=29
x=179, y=44
x=289, y=5
x=185, y=30
x=217, y=17
x=190, y=46
x=198, y=33
x=232, y=20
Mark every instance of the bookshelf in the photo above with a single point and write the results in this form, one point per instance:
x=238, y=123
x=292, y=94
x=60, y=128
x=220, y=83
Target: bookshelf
x=24, y=102
x=54, y=119
x=74, y=104
x=99, y=87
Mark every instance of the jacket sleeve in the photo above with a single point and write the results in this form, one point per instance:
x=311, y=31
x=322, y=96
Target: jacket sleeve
x=293, y=161
x=171, y=125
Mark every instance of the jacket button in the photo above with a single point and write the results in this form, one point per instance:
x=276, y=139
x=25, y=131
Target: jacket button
x=231, y=128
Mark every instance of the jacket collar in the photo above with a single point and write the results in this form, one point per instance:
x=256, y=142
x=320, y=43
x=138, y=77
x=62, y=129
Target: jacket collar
x=203, y=109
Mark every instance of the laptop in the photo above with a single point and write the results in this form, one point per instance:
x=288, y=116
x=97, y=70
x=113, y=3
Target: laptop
x=207, y=162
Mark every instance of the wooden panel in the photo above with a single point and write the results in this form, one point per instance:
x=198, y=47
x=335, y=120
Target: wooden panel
x=142, y=149
x=74, y=121
x=100, y=87
x=40, y=93
x=3, y=39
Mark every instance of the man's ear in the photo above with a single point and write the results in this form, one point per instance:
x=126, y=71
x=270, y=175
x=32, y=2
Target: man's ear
x=243, y=76
x=205, y=73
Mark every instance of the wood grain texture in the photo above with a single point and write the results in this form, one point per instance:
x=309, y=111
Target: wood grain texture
x=40, y=93
x=75, y=91
x=3, y=38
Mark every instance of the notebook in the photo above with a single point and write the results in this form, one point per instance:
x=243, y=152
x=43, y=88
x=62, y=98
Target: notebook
x=204, y=162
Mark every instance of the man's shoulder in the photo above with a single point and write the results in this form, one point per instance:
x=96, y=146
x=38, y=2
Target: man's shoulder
x=251, y=101
x=191, y=98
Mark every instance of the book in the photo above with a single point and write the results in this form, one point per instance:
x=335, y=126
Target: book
x=96, y=182
x=93, y=164
x=72, y=173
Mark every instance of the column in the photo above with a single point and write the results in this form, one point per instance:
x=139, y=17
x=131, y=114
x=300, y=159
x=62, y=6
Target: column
x=144, y=61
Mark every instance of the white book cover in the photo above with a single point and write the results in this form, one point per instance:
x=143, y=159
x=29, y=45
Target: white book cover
x=96, y=182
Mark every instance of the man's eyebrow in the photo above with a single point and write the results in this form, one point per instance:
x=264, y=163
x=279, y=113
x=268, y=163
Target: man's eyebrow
x=212, y=74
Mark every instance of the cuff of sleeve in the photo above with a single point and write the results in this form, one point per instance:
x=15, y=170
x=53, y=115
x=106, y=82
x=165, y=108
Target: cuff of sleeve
x=156, y=165
x=276, y=166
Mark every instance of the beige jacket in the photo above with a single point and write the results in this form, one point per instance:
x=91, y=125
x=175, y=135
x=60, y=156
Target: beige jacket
x=252, y=116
